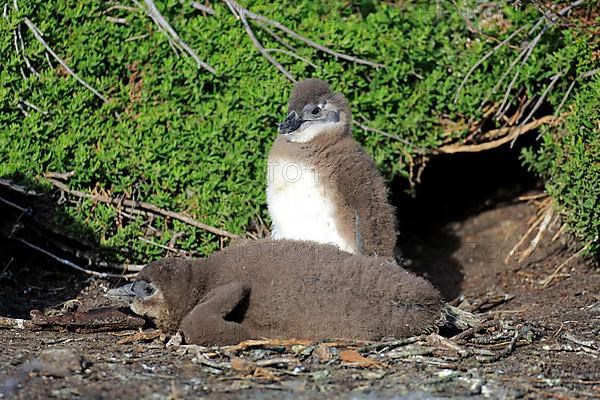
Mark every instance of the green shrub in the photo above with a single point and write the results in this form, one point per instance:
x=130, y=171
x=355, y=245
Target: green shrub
x=186, y=140
x=569, y=162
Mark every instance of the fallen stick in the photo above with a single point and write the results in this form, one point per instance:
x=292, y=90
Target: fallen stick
x=537, y=221
x=97, y=320
x=550, y=278
x=543, y=226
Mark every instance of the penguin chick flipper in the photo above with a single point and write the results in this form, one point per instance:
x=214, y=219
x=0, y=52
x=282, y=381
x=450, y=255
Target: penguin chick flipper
x=206, y=324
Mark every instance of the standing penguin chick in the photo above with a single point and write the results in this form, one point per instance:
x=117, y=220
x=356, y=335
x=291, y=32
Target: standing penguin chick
x=321, y=185
x=283, y=289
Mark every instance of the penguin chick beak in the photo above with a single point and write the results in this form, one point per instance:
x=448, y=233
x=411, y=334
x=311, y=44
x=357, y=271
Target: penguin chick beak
x=122, y=294
x=291, y=123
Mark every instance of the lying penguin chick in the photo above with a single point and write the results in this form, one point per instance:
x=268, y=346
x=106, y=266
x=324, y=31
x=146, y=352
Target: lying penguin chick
x=321, y=185
x=283, y=289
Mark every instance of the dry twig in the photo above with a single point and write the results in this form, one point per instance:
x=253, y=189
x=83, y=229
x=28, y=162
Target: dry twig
x=465, y=335
x=528, y=50
x=169, y=248
x=506, y=351
x=243, y=14
x=94, y=259
x=550, y=278
x=13, y=205
x=539, y=219
x=41, y=228
x=172, y=36
x=543, y=226
x=70, y=263
x=510, y=134
x=145, y=208
x=366, y=128
x=292, y=54
x=97, y=320
x=202, y=7
x=572, y=85
x=485, y=57
x=40, y=39
x=537, y=105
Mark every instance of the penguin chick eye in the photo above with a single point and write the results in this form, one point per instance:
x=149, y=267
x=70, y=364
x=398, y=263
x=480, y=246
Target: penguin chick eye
x=143, y=289
x=316, y=111
x=148, y=290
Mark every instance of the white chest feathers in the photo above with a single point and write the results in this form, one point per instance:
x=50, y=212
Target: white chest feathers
x=300, y=206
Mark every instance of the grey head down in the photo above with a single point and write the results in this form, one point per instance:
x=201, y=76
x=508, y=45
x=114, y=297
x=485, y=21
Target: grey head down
x=316, y=134
x=283, y=289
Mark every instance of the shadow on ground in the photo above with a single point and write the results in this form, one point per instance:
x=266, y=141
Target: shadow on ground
x=28, y=278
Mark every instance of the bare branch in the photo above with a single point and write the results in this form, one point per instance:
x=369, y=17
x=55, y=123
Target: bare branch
x=202, y=8
x=118, y=7
x=69, y=263
x=91, y=258
x=116, y=20
x=290, y=53
x=572, y=85
x=169, y=248
x=13, y=205
x=485, y=57
x=547, y=216
x=537, y=105
x=243, y=14
x=39, y=37
x=528, y=50
x=59, y=175
x=390, y=135
x=315, y=44
x=146, y=207
x=275, y=36
x=551, y=277
x=27, y=62
x=17, y=188
x=511, y=133
x=138, y=37
x=172, y=35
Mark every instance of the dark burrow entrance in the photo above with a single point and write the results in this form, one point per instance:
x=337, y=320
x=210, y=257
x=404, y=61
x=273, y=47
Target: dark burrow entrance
x=454, y=188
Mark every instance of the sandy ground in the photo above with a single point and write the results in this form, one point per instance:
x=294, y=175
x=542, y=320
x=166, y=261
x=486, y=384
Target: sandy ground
x=540, y=341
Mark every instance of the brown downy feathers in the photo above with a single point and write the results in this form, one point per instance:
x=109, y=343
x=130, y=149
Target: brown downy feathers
x=339, y=174
x=287, y=289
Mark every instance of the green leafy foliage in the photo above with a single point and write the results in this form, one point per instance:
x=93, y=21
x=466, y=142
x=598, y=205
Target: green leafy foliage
x=569, y=161
x=183, y=139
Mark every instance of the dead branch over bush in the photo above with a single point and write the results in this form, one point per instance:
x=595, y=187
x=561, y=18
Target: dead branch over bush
x=39, y=37
x=55, y=238
x=140, y=207
x=174, y=40
x=510, y=133
x=243, y=14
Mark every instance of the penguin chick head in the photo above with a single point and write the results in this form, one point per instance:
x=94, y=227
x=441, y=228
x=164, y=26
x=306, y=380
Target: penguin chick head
x=162, y=292
x=314, y=110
